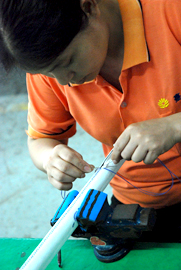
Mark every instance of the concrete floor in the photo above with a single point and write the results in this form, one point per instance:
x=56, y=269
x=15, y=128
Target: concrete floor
x=27, y=199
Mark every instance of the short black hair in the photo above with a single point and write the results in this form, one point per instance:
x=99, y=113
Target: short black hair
x=34, y=32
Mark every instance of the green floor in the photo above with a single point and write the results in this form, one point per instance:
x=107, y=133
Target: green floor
x=79, y=255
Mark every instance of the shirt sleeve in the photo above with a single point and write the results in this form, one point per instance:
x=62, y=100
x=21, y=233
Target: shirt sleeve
x=48, y=117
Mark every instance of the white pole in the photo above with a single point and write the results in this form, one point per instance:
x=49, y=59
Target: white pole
x=64, y=227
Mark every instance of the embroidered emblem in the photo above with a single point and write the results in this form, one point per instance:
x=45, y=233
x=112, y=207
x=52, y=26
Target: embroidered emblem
x=163, y=103
x=177, y=97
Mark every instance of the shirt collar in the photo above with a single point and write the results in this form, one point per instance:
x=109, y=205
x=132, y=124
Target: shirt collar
x=135, y=46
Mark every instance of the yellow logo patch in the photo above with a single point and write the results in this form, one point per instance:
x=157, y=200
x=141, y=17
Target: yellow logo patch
x=163, y=103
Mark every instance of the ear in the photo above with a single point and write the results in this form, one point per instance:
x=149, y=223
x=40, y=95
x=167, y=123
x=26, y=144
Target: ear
x=90, y=7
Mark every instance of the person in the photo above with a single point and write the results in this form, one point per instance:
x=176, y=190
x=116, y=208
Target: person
x=113, y=67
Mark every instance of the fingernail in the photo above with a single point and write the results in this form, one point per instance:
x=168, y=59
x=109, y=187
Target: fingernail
x=115, y=161
x=87, y=169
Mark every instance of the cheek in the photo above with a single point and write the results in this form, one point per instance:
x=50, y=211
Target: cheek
x=97, y=57
x=92, y=59
x=99, y=54
x=97, y=60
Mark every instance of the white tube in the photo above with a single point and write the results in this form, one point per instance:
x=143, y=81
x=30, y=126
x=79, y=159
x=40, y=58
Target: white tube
x=64, y=227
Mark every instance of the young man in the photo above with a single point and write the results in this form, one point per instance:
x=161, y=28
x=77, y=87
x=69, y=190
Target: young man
x=112, y=66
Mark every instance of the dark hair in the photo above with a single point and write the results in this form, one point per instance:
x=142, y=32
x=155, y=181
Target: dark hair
x=34, y=32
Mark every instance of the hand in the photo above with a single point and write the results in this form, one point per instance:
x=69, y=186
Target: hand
x=145, y=141
x=64, y=165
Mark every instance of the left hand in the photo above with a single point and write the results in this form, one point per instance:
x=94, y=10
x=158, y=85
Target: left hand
x=145, y=141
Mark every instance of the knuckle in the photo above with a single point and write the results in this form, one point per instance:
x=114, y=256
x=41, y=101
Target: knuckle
x=59, y=146
x=133, y=126
x=57, y=175
x=65, y=167
x=148, y=140
x=138, y=135
x=155, y=147
x=59, y=149
x=130, y=128
x=69, y=155
x=55, y=150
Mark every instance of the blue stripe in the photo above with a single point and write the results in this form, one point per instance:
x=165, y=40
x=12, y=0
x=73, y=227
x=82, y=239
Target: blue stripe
x=91, y=200
x=64, y=205
x=97, y=207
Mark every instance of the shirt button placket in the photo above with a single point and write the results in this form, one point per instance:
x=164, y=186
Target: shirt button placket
x=123, y=104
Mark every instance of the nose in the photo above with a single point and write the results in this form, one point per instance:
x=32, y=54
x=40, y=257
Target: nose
x=63, y=77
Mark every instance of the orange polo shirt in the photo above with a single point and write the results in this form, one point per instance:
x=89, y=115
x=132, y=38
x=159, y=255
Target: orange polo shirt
x=151, y=83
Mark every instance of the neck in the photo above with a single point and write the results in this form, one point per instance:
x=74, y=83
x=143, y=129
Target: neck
x=115, y=26
x=115, y=53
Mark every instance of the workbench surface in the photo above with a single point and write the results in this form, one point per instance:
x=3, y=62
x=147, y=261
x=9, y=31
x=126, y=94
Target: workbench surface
x=78, y=254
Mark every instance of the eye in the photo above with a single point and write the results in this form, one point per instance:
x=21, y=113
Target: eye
x=69, y=62
x=62, y=64
x=50, y=71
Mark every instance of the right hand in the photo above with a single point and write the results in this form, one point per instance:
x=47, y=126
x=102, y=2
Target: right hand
x=64, y=165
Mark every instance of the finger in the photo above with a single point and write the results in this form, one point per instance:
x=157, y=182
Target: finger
x=61, y=176
x=75, y=159
x=139, y=154
x=59, y=185
x=119, y=145
x=68, y=168
x=150, y=157
x=129, y=150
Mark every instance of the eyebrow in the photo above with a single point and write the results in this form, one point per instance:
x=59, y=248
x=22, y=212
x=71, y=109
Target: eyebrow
x=62, y=62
